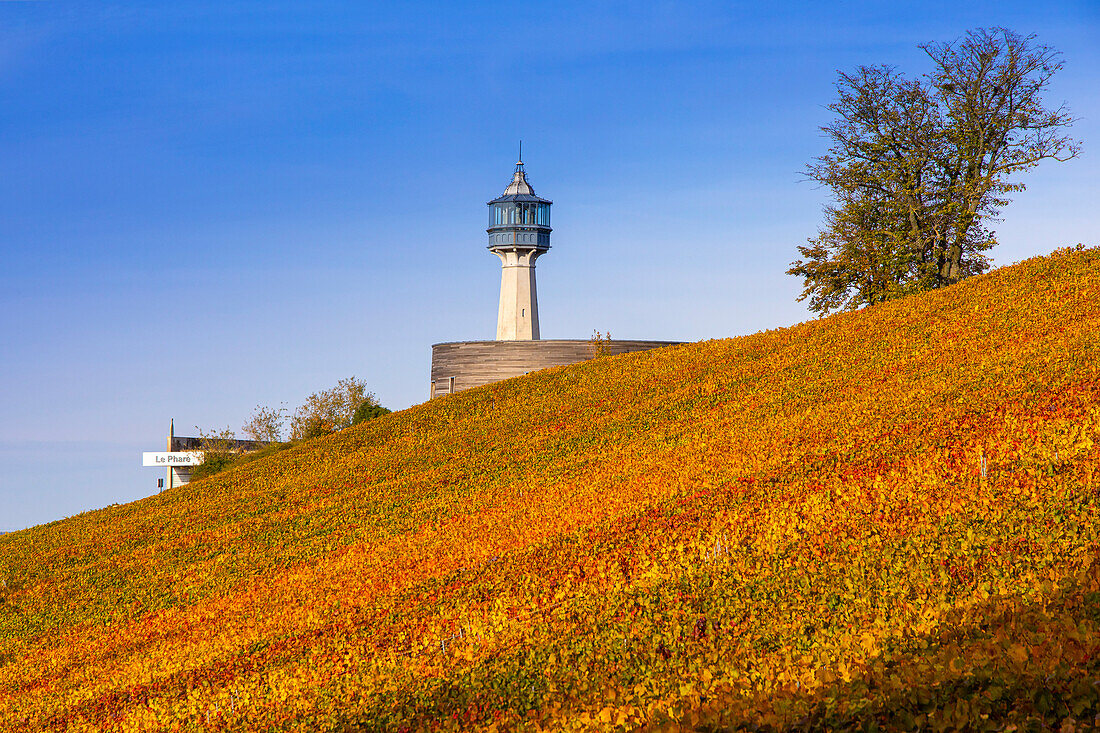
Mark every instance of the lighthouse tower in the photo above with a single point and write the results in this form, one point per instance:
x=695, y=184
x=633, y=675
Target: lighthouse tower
x=519, y=231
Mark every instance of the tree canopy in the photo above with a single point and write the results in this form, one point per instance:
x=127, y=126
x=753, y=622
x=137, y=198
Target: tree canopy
x=918, y=168
x=266, y=423
x=331, y=409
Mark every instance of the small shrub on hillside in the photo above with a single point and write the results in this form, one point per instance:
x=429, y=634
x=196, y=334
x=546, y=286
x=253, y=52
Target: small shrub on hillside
x=213, y=463
x=367, y=411
x=599, y=343
x=217, y=450
x=219, y=461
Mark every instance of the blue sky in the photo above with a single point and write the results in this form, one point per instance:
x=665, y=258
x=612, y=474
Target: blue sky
x=209, y=206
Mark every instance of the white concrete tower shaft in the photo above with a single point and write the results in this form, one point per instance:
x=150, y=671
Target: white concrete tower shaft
x=519, y=232
x=518, y=315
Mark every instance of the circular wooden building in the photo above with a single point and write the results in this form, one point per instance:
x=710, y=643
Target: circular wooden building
x=460, y=365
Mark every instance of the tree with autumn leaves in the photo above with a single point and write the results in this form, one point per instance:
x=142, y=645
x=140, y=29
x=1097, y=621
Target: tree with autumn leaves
x=918, y=168
x=322, y=413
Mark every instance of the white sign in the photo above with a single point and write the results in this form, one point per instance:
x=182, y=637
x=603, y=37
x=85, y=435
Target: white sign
x=178, y=458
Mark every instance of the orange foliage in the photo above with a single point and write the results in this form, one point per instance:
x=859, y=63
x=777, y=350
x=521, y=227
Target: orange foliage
x=887, y=516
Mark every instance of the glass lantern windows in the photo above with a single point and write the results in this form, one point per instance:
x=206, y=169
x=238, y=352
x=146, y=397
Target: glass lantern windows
x=519, y=214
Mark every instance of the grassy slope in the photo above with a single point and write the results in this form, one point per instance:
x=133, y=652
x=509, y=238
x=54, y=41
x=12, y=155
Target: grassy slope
x=790, y=527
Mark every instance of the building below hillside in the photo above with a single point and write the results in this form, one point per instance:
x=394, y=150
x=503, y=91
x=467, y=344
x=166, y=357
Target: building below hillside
x=519, y=233
x=184, y=453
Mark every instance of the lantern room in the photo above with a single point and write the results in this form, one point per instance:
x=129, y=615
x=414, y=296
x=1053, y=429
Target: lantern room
x=519, y=218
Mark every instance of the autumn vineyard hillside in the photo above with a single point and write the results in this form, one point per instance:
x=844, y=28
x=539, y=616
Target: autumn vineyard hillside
x=884, y=518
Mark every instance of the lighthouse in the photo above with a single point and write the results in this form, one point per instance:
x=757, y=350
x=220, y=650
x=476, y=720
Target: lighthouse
x=519, y=231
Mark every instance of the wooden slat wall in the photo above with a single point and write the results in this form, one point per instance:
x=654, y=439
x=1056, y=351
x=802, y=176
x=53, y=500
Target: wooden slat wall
x=180, y=442
x=474, y=363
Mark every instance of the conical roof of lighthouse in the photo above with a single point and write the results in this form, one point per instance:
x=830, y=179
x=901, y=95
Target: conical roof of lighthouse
x=519, y=183
x=519, y=189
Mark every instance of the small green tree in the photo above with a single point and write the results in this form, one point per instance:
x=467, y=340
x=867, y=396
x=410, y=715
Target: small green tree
x=367, y=411
x=330, y=410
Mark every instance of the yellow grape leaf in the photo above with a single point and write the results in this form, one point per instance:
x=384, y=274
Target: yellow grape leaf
x=1018, y=653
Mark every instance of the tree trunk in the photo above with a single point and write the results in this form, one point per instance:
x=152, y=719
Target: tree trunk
x=950, y=271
